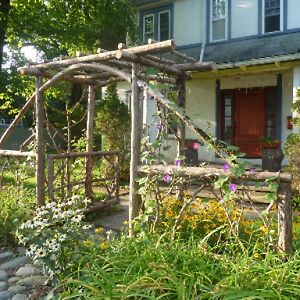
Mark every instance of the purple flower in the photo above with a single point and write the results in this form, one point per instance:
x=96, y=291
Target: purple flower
x=167, y=178
x=195, y=146
x=252, y=170
x=226, y=167
x=177, y=162
x=159, y=126
x=232, y=187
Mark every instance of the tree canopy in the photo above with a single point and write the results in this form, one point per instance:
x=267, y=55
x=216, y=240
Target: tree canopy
x=64, y=26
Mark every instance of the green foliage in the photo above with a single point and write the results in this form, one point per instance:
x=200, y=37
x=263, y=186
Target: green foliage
x=58, y=26
x=112, y=122
x=153, y=267
x=15, y=207
x=14, y=89
x=292, y=152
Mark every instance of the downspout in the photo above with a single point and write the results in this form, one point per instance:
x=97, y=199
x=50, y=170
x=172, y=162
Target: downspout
x=202, y=52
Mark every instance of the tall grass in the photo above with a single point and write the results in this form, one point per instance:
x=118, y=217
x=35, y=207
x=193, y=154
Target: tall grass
x=154, y=267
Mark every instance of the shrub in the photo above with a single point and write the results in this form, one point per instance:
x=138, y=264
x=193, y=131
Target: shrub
x=292, y=151
x=113, y=123
x=15, y=207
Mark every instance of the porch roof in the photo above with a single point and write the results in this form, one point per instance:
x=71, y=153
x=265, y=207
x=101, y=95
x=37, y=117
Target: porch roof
x=277, y=59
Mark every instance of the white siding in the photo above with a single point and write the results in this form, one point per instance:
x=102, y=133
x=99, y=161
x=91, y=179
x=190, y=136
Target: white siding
x=188, y=22
x=293, y=19
x=244, y=18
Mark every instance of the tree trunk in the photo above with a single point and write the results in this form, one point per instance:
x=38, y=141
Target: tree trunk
x=4, y=11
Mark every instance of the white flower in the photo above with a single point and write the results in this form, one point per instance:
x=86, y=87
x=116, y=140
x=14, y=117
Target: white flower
x=62, y=238
x=85, y=227
x=86, y=201
x=77, y=218
x=41, y=252
x=50, y=205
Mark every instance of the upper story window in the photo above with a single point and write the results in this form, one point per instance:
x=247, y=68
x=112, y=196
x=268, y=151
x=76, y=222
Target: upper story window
x=157, y=24
x=218, y=20
x=272, y=15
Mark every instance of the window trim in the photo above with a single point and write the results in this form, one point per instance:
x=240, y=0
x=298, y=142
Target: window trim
x=264, y=18
x=156, y=11
x=144, y=32
x=158, y=23
x=212, y=20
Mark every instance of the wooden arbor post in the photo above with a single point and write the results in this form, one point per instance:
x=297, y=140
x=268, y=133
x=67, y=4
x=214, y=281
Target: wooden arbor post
x=181, y=103
x=40, y=166
x=285, y=218
x=90, y=142
x=134, y=198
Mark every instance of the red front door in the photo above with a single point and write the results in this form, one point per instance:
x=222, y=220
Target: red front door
x=249, y=121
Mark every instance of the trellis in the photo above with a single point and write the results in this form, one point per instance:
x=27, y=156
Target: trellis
x=130, y=65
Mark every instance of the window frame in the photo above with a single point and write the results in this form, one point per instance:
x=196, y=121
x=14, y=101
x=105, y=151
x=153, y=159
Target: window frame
x=144, y=27
x=212, y=20
x=158, y=23
x=264, y=18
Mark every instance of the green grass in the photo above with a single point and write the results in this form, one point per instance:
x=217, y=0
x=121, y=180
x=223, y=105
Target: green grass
x=153, y=267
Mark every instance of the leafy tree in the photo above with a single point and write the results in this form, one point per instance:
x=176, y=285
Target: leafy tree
x=64, y=26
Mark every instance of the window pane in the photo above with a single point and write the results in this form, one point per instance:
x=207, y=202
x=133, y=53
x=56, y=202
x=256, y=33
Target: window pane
x=164, y=26
x=272, y=23
x=272, y=15
x=218, y=9
x=218, y=30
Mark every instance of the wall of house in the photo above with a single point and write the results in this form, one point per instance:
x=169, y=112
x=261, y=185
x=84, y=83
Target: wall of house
x=244, y=18
x=293, y=20
x=188, y=20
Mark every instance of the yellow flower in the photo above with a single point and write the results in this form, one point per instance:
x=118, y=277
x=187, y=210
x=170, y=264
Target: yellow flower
x=104, y=245
x=256, y=255
x=265, y=229
x=99, y=230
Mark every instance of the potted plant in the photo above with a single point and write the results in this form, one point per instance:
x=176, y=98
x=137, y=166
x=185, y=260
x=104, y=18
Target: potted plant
x=192, y=144
x=272, y=154
x=270, y=143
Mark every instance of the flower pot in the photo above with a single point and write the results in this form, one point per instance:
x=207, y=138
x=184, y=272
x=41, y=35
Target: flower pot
x=192, y=145
x=271, y=159
x=273, y=145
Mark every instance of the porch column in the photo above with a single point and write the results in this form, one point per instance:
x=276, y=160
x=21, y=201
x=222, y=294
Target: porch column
x=296, y=92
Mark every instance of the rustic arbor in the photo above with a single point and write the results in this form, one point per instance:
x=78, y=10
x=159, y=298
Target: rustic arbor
x=105, y=67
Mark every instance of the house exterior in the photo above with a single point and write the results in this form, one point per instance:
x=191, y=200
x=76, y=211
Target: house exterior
x=256, y=47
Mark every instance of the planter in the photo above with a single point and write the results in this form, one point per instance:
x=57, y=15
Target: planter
x=191, y=157
x=273, y=145
x=271, y=159
x=192, y=145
